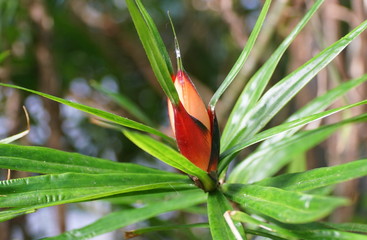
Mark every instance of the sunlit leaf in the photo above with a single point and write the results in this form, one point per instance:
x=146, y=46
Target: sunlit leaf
x=318, y=105
x=243, y=57
x=260, y=164
x=96, y=112
x=54, y=189
x=313, y=231
x=285, y=206
x=318, y=177
x=154, y=48
x=256, y=85
x=125, y=103
x=225, y=160
x=47, y=160
x=217, y=206
x=169, y=156
x=137, y=232
x=124, y=218
x=281, y=93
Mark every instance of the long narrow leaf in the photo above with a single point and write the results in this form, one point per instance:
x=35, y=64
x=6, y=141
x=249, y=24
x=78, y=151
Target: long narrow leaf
x=124, y=218
x=245, y=218
x=217, y=206
x=255, y=87
x=260, y=164
x=125, y=103
x=169, y=156
x=280, y=94
x=317, y=105
x=279, y=129
x=285, y=206
x=319, y=177
x=243, y=57
x=157, y=37
x=138, y=232
x=313, y=231
x=10, y=214
x=74, y=187
x=47, y=160
x=154, y=49
x=96, y=112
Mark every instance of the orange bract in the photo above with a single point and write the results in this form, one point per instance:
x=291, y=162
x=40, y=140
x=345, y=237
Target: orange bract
x=194, y=126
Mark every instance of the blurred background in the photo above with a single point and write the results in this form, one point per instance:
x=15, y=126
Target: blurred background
x=88, y=50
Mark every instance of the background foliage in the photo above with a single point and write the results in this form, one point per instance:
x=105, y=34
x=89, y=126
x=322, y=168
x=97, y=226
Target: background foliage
x=71, y=48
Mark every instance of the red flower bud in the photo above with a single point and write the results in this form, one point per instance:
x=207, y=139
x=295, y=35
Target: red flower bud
x=195, y=126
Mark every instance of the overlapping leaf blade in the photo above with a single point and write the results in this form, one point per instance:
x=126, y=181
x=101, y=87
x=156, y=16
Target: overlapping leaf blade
x=96, y=112
x=255, y=87
x=227, y=155
x=285, y=206
x=320, y=230
x=268, y=160
x=280, y=94
x=243, y=56
x=217, y=206
x=54, y=189
x=154, y=48
x=274, y=229
x=47, y=160
x=169, y=156
x=124, y=218
x=125, y=103
x=318, y=105
x=300, y=231
x=317, y=178
x=140, y=231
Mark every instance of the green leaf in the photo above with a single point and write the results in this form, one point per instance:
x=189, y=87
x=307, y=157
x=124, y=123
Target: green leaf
x=97, y=112
x=316, y=231
x=10, y=214
x=157, y=37
x=154, y=48
x=47, y=160
x=256, y=85
x=137, y=232
x=170, y=156
x=317, y=178
x=317, y=105
x=281, y=93
x=217, y=206
x=125, y=103
x=54, y=189
x=270, y=159
x=285, y=206
x=301, y=231
x=273, y=229
x=243, y=56
x=227, y=156
x=351, y=227
x=124, y=218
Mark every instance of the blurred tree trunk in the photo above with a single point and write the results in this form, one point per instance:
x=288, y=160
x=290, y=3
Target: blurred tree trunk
x=344, y=147
x=43, y=25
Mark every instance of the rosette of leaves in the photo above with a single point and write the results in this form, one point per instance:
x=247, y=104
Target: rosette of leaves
x=287, y=206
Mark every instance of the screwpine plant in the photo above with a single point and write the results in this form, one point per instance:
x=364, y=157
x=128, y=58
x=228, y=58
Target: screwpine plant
x=247, y=200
